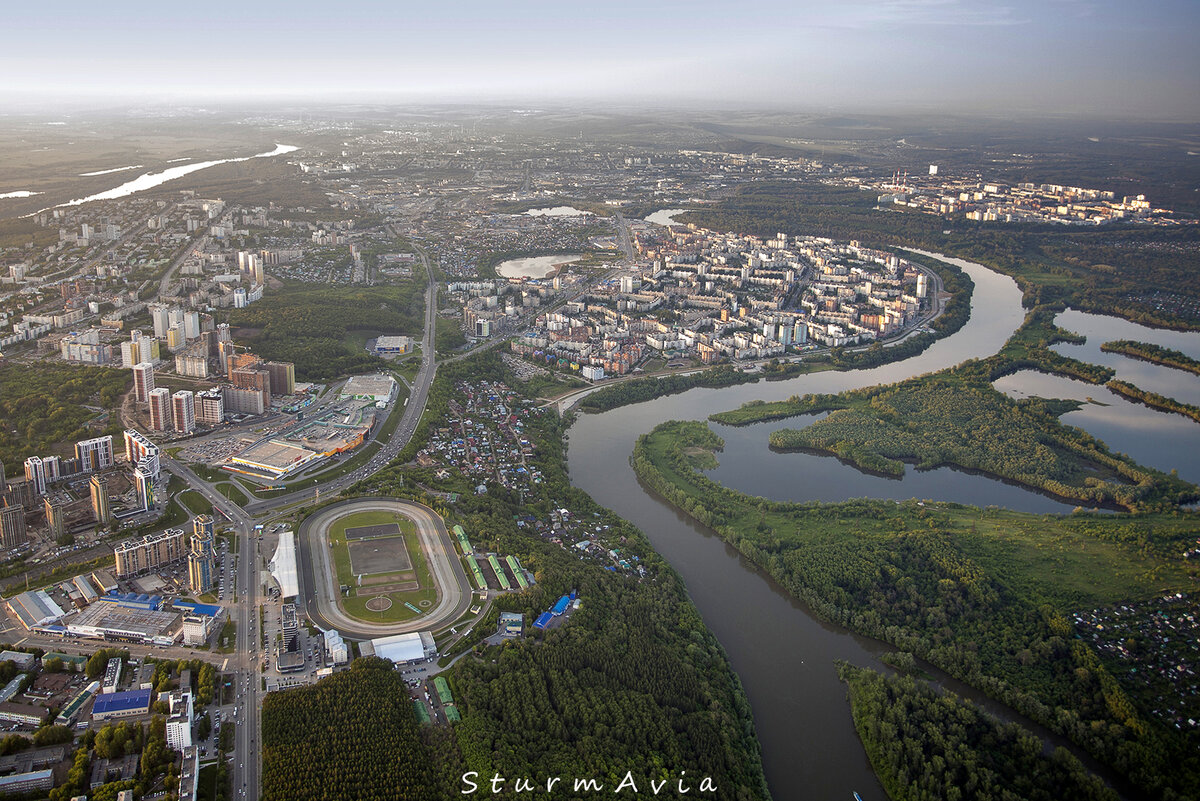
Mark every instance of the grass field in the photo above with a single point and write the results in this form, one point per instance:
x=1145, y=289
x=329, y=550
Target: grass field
x=232, y=492
x=196, y=503
x=355, y=603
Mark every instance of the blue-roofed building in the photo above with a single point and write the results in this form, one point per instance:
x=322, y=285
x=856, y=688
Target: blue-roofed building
x=543, y=620
x=133, y=600
x=126, y=704
x=211, y=610
x=561, y=605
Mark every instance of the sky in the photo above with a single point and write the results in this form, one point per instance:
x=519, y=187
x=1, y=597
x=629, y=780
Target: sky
x=1117, y=58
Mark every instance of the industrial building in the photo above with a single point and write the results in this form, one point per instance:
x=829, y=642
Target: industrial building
x=404, y=648
x=122, y=623
x=378, y=388
x=393, y=345
x=34, y=608
x=127, y=704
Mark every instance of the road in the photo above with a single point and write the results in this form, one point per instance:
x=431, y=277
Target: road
x=244, y=612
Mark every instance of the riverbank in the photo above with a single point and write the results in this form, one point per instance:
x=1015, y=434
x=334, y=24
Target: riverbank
x=941, y=580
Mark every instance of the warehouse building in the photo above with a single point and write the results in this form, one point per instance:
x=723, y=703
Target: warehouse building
x=118, y=623
x=34, y=608
x=405, y=648
x=378, y=387
x=127, y=704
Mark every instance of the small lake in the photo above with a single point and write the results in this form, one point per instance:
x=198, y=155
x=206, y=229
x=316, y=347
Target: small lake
x=533, y=266
x=665, y=217
x=748, y=465
x=558, y=211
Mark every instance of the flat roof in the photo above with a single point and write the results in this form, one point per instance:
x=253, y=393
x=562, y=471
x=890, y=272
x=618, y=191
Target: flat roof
x=400, y=647
x=123, y=620
x=272, y=454
x=283, y=565
x=122, y=702
x=212, y=610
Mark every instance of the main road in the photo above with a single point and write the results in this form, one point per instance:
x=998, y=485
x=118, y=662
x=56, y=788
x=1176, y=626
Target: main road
x=244, y=612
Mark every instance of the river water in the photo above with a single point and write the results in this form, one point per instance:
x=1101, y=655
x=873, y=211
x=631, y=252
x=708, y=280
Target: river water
x=783, y=655
x=150, y=180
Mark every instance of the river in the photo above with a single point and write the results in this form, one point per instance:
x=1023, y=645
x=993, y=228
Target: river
x=149, y=180
x=783, y=655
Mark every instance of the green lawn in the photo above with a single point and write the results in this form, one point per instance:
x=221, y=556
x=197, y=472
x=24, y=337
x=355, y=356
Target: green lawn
x=355, y=605
x=196, y=503
x=231, y=492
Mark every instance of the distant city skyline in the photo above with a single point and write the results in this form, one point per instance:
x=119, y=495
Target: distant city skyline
x=1100, y=57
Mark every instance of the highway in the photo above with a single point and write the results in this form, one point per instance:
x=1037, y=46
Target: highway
x=244, y=665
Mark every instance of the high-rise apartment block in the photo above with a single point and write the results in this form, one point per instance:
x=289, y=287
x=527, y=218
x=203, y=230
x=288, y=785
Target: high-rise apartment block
x=95, y=454
x=141, y=452
x=100, y=502
x=201, y=555
x=56, y=519
x=12, y=526
x=210, y=407
x=183, y=411
x=150, y=552
x=283, y=377
x=160, y=409
x=143, y=382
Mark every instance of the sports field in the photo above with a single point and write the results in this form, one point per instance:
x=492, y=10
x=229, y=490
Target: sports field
x=378, y=555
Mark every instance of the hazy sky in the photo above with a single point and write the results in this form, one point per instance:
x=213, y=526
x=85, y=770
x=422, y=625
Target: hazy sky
x=1118, y=57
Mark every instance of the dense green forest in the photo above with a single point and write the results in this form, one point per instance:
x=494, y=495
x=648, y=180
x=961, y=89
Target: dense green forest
x=985, y=595
x=1155, y=354
x=43, y=406
x=1142, y=273
x=352, y=735
x=649, y=388
x=308, y=325
x=1154, y=400
x=634, y=682
x=925, y=745
x=946, y=420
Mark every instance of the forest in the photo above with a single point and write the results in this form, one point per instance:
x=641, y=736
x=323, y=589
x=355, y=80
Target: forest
x=636, y=681
x=352, y=735
x=1154, y=400
x=926, y=745
x=1155, y=354
x=45, y=406
x=984, y=595
x=306, y=325
x=940, y=420
x=644, y=389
